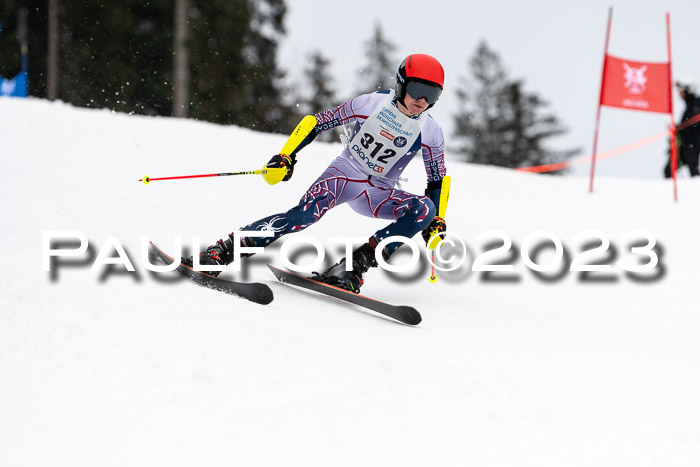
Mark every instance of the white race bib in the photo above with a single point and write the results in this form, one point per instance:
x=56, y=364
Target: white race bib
x=384, y=138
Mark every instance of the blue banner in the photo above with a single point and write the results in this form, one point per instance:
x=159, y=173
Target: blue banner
x=16, y=86
x=19, y=85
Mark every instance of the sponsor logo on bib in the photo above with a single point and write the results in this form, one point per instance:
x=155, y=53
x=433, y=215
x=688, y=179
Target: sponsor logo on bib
x=400, y=141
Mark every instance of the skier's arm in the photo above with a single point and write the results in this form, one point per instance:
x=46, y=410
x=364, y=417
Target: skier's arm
x=326, y=120
x=307, y=130
x=433, y=149
x=439, y=191
x=353, y=110
x=433, y=191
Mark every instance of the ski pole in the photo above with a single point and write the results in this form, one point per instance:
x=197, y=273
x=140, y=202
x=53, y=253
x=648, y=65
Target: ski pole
x=433, y=276
x=274, y=174
x=146, y=179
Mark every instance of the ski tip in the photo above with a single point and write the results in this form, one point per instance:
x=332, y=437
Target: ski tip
x=411, y=316
x=265, y=296
x=402, y=313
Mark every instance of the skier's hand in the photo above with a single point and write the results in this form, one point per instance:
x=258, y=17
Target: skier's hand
x=435, y=229
x=282, y=161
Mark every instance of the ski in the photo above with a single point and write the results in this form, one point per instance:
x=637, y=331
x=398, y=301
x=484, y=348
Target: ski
x=404, y=314
x=255, y=292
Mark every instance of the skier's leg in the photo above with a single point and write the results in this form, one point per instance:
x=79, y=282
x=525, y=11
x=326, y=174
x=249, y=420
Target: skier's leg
x=411, y=214
x=692, y=156
x=295, y=220
x=667, y=169
x=333, y=187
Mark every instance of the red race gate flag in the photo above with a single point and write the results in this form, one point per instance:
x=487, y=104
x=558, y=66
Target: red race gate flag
x=636, y=85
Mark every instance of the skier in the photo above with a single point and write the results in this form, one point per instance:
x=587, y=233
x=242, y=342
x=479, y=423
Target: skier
x=391, y=127
x=690, y=136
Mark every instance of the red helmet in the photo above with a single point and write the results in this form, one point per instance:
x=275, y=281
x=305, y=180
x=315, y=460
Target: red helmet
x=420, y=75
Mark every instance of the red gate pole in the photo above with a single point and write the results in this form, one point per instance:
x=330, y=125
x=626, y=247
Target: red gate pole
x=600, y=101
x=674, y=148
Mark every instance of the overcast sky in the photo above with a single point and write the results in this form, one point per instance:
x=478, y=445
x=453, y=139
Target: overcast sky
x=556, y=46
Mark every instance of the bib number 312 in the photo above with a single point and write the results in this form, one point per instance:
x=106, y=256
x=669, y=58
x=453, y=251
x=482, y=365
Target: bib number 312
x=368, y=142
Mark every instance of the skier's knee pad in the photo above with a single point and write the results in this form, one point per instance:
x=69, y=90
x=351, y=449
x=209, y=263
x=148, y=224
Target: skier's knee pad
x=298, y=217
x=304, y=214
x=421, y=210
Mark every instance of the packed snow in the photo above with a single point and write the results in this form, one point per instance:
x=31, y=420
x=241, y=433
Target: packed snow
x=104, y=367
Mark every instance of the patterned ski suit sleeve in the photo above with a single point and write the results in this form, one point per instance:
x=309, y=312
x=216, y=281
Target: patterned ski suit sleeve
x=433, y=148
x=353, y=110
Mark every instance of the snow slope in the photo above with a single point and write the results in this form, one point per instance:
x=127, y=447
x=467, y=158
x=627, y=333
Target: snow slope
x=112, y=368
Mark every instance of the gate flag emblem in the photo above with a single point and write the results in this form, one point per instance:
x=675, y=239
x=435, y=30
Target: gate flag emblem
x=636, y=85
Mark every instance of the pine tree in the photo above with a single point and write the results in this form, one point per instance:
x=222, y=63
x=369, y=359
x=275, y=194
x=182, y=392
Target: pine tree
x=530, y=127
x=120, y=55
x=234, y=65
x=479, y=117
x=320, y=89
x=380, y=70
x=501, y=124
x=117, y=55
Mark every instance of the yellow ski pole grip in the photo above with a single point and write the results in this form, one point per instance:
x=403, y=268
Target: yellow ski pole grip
x=273, y=175
x=434, y=239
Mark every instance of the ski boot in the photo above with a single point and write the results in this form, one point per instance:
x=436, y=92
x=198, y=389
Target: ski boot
x=363, y=259
x=219, y=254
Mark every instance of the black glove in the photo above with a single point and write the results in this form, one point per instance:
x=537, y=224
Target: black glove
x=437, y=226
x=283, y=161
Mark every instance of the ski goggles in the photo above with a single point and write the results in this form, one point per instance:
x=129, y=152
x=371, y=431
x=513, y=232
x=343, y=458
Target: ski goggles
x=418, y=90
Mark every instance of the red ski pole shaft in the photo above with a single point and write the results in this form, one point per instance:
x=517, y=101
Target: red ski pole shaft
x=146, y=179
